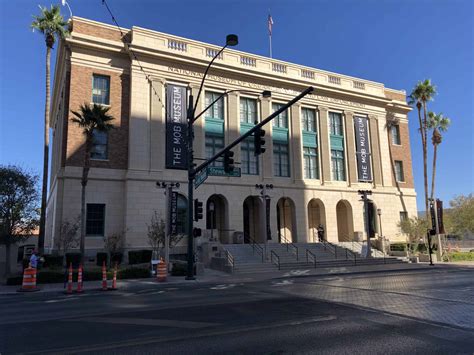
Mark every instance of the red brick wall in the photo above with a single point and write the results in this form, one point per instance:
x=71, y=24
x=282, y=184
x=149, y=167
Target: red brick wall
x=403, y=153
x=80, y=93
x=95, y=30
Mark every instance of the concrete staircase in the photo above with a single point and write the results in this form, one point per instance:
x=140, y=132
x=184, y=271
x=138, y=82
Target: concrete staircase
x=248, y=259
x=357, y=248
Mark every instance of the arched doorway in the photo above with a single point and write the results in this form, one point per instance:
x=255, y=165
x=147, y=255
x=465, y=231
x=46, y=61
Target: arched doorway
x=216, y=218
x=253, y=220
x=286, y=220
x=316, y=219
x=345, y=222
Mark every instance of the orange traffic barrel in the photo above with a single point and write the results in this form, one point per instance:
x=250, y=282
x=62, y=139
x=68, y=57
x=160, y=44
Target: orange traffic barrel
x=161, y=272
x=29, y=280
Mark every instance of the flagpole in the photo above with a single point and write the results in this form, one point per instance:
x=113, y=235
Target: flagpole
x=270, y=38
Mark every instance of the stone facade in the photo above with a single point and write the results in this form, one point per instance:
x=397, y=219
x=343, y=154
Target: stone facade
x=126, y=182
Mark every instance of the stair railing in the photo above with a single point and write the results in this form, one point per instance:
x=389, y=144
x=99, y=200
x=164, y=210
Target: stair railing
x=309, y=255
x=257, y=248
x=277, y=259
x=290, y=244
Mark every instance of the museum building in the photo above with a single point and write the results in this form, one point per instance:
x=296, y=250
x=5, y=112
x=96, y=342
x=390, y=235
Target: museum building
x=350, y=134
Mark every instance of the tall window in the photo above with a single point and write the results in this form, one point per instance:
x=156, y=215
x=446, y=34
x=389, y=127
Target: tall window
x=95, y=219
x=217, y=110
x=248, y=110
x=99, y=145
x=249, y=162
x=281, y=160
x=282, y=119
x=395, y=130
x=337, y=165
x=403, y=216
x=399, y=176
x=311, y=169
x=214, y=144
x=101, y=89
x=335, y=123
x=308, y=120
x=182, y=213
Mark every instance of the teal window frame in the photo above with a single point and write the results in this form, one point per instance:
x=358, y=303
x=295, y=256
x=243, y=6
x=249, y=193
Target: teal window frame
x=282, y=119
x=101, y=89
x=281, y=159
x=335, y=124
x=216, y=111
x=338, y=169
x=249, y=162
x=311, y=163
x=308, y=120
x=213, y=144
x=248, y=110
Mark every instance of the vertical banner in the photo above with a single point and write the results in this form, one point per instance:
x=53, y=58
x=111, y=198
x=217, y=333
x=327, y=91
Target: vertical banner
x=267, y=218
x=173, y=208
x=361, y=130
x=176, y=134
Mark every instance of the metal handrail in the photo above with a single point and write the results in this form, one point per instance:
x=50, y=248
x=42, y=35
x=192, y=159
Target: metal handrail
x=230, y=259
x=277, y=258
x=308, y=252
x=288, y=244
x=257, y=246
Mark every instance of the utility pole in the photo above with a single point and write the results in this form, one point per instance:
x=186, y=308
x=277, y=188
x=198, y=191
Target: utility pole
x=365, y=199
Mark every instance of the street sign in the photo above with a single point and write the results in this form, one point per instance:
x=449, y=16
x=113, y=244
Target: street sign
x=200, y=178
x=219, y=171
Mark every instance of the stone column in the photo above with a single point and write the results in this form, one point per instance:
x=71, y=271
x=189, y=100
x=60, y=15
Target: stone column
x=324, y=144
x=295, y=143
x=232, y=128
x=157, y=127
x=351, y=176
x=375, y=150
x=266, y=159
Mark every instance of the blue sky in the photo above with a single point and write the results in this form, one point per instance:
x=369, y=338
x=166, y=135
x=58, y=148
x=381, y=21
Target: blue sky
x=396, y=42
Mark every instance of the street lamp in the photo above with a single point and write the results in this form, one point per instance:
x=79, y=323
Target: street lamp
x=231, y=40
x=379, y=213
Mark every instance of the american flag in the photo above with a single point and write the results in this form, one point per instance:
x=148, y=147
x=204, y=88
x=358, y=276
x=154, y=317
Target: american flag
x=270, y=24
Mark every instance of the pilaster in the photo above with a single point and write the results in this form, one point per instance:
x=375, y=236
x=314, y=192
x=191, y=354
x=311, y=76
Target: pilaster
x=350, y=145
x=376, y=157
x=157, y=126
x=296, y=143
x=267, y=157
x=232, y=123
x=324, y=150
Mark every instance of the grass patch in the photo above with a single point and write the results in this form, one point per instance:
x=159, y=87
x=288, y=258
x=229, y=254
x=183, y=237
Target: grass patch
x=458, y=256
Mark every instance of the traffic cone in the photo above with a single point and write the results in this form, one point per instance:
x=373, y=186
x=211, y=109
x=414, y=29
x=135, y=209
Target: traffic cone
x=69, y=280
x=161, y=271
x=104, y=277
x=79, y=280
x=114, y=279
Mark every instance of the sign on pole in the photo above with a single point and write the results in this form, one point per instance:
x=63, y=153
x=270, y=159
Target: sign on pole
x=200, y=178
x=361, y=129
x=219, y=171
x=173, y=227
x=176, y=134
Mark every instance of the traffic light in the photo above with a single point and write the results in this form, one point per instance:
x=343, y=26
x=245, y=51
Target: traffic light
x=259, y=141
x=229, y=161
x=197, y=232
x=197, y=210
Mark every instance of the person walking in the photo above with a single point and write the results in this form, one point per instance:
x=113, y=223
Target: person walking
x=34, y=259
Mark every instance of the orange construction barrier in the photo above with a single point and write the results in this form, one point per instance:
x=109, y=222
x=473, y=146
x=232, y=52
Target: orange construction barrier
x=29, y=280
x=69, y=280
x=79, y=280
x=161, y=271
x=104, y=277
x=114, y=279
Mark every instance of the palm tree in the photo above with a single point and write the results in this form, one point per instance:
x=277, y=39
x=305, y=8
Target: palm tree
x=438, y=123
x=423, y=92
x=52, y=25
x=90, y=119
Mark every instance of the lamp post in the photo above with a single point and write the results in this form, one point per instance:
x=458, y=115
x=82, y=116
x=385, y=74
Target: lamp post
x=231, y=40
x=379, y=213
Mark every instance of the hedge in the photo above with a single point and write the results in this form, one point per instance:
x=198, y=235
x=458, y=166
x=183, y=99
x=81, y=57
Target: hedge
x=101, y=258
x=74, y=258
x=459, y=256
x=53, y=261
x=139, y=256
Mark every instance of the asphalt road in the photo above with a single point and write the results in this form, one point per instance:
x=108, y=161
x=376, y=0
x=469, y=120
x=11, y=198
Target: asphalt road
x=422, y=312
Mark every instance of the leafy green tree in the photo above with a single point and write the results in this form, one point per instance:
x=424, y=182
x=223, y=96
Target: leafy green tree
x=91, y=118
x=437, y=123
x=415, y=228
x=460, y=218
x=422, y=93
x=52, y=25
x=18, y=208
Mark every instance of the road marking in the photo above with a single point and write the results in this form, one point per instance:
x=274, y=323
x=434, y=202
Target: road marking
x=146, y=321
x=283, y=283
x=156, y=293
x=296, y=273
x=61, y=300
x=223, y=286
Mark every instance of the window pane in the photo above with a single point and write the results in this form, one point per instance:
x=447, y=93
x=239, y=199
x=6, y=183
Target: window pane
x=282, y=119
x=99, y=145
x=95, y=218
x=100, y=89
x=216, y=110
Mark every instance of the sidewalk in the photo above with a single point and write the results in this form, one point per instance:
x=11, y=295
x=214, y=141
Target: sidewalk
x=213, y=276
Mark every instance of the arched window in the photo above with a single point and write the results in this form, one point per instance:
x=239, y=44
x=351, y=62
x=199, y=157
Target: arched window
x=182, y=214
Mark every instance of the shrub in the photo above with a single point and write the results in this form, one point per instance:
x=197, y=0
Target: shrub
x=116, y=258
x=133, y=273
x=52, y=261
x=74, y=258
x=459, y=256
x=139, y=256
x=398, y=247
x=101, y=258
x=179, y=269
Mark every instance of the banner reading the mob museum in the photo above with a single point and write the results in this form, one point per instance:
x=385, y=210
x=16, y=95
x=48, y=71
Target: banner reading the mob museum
x=361, y=130
x=176, y=128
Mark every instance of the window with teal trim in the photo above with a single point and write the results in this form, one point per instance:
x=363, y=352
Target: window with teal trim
x=249, y=162
x=311, y=168
x=337, y=165
x=281, y=160
x=214, y=144
x=217, y=110
x=282, y=119
x=308, y=120
x=248, y=110
x=335, y=124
